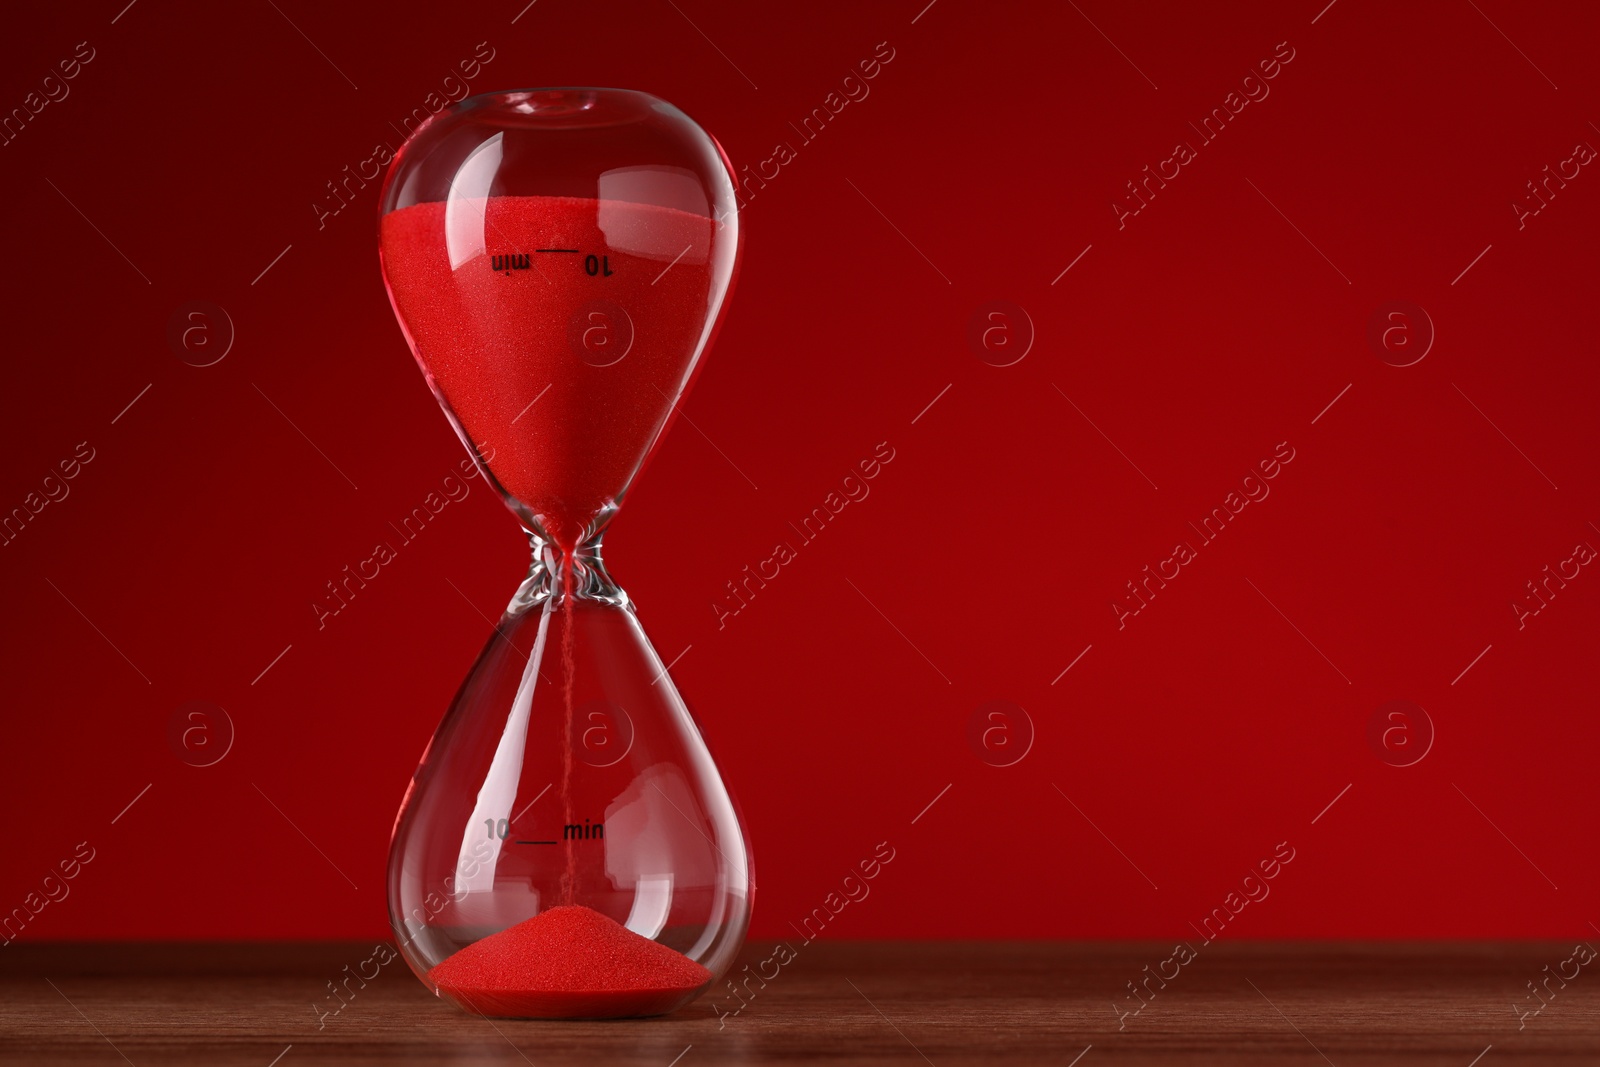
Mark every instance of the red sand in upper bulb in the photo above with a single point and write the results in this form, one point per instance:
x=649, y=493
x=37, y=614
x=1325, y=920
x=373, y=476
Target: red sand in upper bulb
x=568, y=962
x=508, y=346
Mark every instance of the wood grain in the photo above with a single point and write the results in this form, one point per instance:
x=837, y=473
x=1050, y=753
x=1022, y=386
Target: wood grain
x=912, y=1003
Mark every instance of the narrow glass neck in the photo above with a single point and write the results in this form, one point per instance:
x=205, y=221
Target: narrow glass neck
x=556, y=576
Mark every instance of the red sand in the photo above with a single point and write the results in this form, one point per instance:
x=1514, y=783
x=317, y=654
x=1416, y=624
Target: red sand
x=492, y=341
x=568, y=963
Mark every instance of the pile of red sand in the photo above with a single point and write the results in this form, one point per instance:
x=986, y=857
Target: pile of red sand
x=507, y=348
x=569, y=962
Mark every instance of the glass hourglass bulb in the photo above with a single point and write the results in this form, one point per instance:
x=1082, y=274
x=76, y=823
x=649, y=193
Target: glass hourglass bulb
x=558, y=260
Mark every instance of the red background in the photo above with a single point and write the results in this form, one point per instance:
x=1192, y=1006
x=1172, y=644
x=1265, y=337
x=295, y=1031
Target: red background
x=1196, y=338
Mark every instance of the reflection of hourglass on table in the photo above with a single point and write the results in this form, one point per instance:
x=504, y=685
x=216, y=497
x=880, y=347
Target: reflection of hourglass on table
x=558, y=260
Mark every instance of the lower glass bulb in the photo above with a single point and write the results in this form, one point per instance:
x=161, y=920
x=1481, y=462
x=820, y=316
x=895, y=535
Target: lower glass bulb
x=567, y=848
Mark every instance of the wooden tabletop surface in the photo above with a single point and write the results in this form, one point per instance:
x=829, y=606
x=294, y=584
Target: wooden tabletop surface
x=916, y=1003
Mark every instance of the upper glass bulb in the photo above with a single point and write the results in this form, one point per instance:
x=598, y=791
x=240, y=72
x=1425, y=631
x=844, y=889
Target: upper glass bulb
x=558, y=259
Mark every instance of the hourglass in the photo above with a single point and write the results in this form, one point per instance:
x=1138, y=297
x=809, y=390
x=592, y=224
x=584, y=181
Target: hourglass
x=558, y=260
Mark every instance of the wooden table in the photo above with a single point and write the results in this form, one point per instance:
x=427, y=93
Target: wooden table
x=910, y=1003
